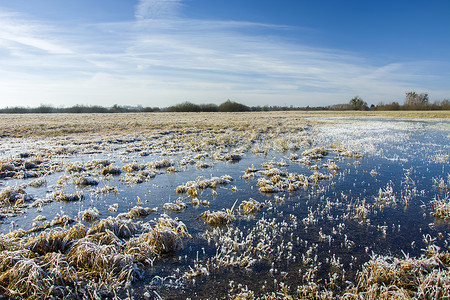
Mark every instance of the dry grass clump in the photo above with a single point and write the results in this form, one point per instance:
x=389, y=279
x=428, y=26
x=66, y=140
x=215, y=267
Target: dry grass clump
x=441, y=184
x=26, y=278
x=101, y=263
x=92, y=256
x=272, y=172
x=202, y=165
x=266, y=186
x=161, y=240
x=58, y=262
x=6, y=166
x=280, y=181
x=133, y=167
x=192, y=187
x=7, y=170
x=107, y=189
x=75, y=168
x=386, y=196
x=27, y=275
x=137, y=212
x=110, y=170
x=219, y=218
x=317, y=176
x=177, y=207
x=176, y=225
x=197, y=202
x=106, y=237
x=37, y=183
x=164, y=163
x=314, y=153
x=8, y=242
x=56, y=240
x=83, y=180
x=61, y=220
x=11, y=255
x=171, y=170
x=311, y=290
x=89, y=215
x=97, y=164
x=165, y=237
x=250, y=207
x=232, y=157
x=121, y=228
x=386, y=277
x=138, y=177
x=61, y=196
x=332, y=166
x=349, y=153
x=441, y=208
x=13, y=196
x=361, y=211
x=251, y=170
x=60, y=269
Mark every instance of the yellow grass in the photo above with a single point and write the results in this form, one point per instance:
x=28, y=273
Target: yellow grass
x=26, y=125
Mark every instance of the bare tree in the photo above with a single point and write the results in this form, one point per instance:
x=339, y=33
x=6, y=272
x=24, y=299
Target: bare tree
x=414, y=99
x=358, y=104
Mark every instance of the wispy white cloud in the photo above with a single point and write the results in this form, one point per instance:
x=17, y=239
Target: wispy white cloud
x=158, y=60
x=15, y=30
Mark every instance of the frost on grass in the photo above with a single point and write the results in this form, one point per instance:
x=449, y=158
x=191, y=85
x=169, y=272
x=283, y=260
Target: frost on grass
x=192, y=188
x=441, y=208
x=109, y=254
x=61, y=196
x=298, y=259
x=136, y=212
x=13, y=196
x=250, y=207
x=89, y=215
x=387, y=277
x=176, y=207
x=219, y=218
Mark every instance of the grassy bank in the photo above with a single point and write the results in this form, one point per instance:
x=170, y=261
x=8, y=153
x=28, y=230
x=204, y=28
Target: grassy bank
x=28, y=125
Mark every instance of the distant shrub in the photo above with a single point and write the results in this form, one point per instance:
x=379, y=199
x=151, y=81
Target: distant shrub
x=82, y=109
x=356, y=103
x=184, y=107
x=231, y=106
x=44, y=109
x=150, y=109
x=209, y=107
x=393, y=106
x=191, y=107
x=15, y=110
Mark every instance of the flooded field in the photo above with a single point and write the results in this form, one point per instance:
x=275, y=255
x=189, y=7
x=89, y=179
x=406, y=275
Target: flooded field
x=213, y=206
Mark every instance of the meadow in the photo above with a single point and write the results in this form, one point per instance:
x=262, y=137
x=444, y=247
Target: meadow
x=255, y=205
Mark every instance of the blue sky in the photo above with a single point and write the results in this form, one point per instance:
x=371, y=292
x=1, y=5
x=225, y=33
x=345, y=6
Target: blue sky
x=257, y=52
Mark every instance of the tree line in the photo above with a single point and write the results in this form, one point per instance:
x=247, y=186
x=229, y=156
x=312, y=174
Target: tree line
x=413, y=101
x=46, y=109
x=227, y=106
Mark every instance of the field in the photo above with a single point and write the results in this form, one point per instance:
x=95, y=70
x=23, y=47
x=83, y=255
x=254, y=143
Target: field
x=275, y=205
